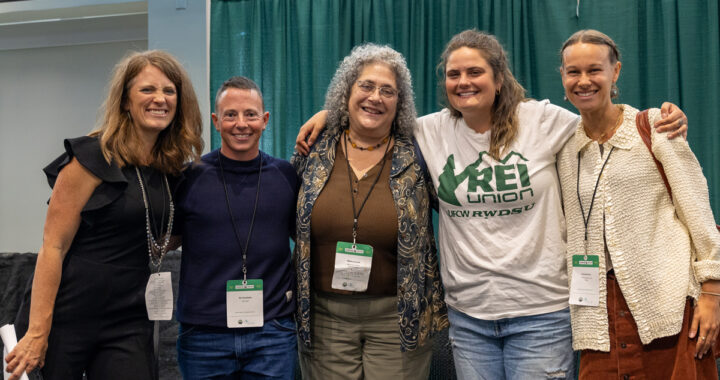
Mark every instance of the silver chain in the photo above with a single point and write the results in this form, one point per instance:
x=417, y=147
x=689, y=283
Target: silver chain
x=155, y=249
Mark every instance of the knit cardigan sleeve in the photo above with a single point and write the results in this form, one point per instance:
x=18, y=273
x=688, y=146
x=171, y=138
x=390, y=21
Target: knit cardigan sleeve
x=691, y=200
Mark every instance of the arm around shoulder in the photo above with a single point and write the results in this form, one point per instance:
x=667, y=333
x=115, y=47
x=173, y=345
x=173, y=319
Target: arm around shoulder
x=691, y=200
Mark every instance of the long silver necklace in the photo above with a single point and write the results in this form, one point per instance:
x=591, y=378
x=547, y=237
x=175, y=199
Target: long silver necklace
x=156, y=249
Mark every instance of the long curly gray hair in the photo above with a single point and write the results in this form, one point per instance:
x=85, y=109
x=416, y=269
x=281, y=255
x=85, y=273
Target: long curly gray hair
x=338, y=94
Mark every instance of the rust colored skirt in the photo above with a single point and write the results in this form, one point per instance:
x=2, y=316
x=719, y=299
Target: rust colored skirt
x=664, y=358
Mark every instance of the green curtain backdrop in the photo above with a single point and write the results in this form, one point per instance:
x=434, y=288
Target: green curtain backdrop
x=291, y=48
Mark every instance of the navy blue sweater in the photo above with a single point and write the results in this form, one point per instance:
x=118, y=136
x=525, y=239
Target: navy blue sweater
x=211, y=254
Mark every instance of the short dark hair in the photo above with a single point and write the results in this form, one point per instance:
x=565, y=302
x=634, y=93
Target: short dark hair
x=242, y=83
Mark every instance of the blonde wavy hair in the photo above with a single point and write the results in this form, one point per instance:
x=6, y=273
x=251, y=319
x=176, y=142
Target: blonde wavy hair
x=177, y=144
x=504, y=116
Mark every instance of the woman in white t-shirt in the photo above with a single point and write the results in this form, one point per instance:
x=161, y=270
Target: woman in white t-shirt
x=491, y=155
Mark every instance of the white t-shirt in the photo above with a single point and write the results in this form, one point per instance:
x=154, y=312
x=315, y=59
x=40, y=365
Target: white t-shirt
x=502, y=229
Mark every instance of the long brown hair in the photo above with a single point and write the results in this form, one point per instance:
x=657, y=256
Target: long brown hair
x=504, y=118
x=177, y=144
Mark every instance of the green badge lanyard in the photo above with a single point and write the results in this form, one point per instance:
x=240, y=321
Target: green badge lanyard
x=356, y=215
x=232, y=218
x=592, y=200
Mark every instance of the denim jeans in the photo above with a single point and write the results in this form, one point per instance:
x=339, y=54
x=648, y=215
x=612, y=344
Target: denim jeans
x=531, y=347
x=268, y=352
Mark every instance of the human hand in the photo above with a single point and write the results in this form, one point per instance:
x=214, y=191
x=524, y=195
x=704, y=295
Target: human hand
x=312, y=127
x=27, y=355
x=673, y=121
x=706, y=318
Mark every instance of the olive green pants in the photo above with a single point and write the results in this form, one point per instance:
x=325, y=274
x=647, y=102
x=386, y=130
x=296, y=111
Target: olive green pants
x=357, y=337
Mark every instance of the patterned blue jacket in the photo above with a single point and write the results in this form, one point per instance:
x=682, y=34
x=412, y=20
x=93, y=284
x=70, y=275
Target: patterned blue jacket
x=421, y=308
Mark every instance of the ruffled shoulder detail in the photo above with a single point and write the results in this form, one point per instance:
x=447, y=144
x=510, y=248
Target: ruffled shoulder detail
x=88, y=153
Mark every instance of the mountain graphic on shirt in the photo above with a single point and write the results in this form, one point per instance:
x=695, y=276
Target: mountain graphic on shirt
x=482, y=178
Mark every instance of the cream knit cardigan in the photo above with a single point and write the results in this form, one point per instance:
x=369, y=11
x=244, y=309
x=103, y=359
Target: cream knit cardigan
x=661, y=250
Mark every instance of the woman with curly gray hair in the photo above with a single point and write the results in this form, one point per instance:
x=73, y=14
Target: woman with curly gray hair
x=370, y=296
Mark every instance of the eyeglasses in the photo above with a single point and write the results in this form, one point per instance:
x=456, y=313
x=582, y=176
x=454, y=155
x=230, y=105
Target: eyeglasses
x=233, y=117
x=368, y=87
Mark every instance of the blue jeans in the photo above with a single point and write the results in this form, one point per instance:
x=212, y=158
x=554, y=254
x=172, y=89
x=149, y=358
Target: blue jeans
x=268, y=352
x=532, y=347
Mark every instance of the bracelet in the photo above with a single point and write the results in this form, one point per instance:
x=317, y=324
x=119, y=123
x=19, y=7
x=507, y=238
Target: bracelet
x=710, y=293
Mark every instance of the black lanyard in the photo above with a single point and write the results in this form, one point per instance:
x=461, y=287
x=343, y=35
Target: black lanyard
x=356, y=215
x=232, y=218
x=592, y=200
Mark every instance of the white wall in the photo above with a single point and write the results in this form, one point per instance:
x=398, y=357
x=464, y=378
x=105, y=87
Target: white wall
x=36, y=6
x=46, y=95
x=55, y=61
x=181, y=27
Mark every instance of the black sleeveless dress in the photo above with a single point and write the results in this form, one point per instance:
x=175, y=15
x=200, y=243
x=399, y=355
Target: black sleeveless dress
x=105, y=271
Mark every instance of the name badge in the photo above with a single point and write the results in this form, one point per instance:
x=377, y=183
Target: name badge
x=159, y=297
x=244, y=301
x=352, y=266
x=585, y=285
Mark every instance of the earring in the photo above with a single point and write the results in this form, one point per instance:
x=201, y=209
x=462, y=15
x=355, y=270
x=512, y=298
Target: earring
x=614, y=91
x=129, y=115
x=565, y=98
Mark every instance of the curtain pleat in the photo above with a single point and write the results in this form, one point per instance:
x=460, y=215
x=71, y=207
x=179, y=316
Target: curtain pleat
x=291, y=48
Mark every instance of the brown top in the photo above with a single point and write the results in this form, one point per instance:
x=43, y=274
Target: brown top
x=332, y=220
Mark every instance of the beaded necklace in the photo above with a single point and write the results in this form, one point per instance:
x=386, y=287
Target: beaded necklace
x=155, y=249
x=369, y=148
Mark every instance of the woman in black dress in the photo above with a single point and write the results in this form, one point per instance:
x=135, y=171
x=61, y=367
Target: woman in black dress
x=109, y=214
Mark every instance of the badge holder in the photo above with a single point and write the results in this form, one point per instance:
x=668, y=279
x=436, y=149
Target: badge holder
x=244, y=300
x=585, y=284
x=159, y=296
x=353, y=263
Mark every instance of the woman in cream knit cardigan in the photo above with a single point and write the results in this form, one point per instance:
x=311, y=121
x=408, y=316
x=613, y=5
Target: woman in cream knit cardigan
x=653, y=308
